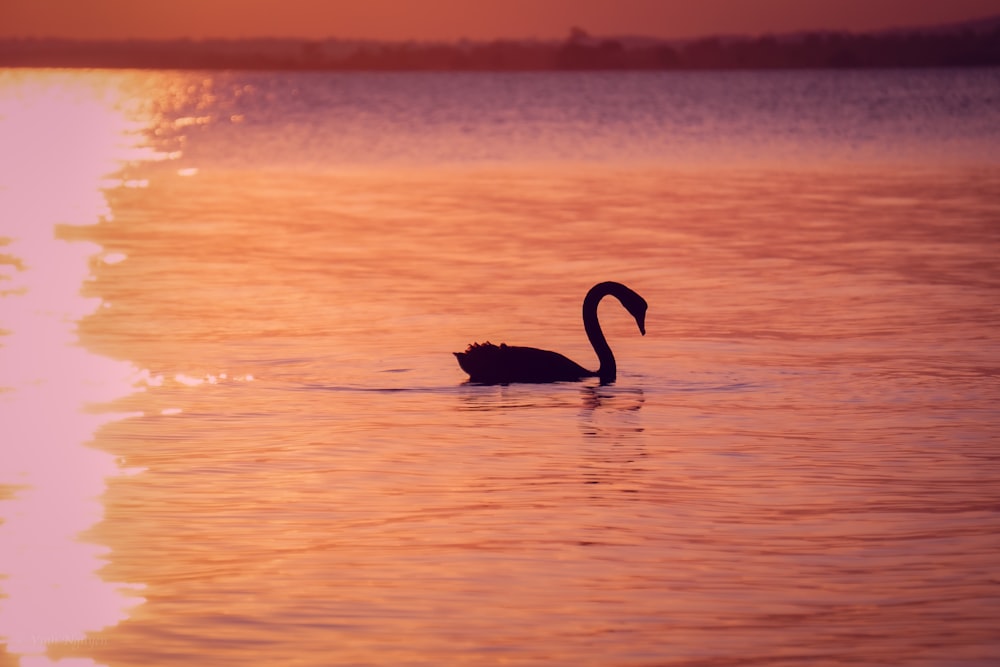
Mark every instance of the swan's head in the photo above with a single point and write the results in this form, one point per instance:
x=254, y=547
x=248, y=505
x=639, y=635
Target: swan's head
x=636, y=306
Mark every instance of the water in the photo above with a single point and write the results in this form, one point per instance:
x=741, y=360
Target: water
x=233, y=431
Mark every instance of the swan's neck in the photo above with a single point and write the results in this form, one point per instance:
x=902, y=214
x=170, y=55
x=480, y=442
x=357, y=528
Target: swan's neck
x=608, y=370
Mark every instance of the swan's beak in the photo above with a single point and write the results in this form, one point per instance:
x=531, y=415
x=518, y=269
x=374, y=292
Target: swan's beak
x=642, y=324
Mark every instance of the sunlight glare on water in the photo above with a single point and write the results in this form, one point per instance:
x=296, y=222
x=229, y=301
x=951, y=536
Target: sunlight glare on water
x=53, y=175
x=250, y=294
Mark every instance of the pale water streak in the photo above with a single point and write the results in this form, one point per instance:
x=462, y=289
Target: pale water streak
x=797, y=465
x=51, y=478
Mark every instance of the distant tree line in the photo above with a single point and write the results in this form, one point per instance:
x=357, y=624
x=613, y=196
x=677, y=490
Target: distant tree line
x=974, y=45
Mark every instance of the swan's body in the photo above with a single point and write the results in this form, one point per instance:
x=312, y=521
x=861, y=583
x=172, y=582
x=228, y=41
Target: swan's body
x=487, y=363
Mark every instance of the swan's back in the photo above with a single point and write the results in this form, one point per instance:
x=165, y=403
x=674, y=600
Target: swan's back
x=487, y=363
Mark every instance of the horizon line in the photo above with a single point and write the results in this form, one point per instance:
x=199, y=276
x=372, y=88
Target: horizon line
x=571, y=31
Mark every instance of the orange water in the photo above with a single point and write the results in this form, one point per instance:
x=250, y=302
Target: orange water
x=233, y=431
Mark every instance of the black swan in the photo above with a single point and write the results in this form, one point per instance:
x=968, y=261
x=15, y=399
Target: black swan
x=487, y=363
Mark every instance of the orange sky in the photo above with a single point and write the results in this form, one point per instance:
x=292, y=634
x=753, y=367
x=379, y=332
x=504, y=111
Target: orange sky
x=455, y=19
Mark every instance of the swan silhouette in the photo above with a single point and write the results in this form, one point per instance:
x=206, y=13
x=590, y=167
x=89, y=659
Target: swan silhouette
x=487, y=363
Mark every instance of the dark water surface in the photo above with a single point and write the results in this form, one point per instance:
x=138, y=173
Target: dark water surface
x=233, y=432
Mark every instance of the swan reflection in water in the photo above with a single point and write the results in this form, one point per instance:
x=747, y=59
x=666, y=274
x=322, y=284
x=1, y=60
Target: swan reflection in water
x=611, y=413
x=487, y=363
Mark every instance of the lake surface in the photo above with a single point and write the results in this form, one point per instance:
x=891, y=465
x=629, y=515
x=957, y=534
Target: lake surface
x=232, y=431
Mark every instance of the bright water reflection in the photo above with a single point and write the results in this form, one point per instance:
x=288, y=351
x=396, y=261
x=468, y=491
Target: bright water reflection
x=63, y=137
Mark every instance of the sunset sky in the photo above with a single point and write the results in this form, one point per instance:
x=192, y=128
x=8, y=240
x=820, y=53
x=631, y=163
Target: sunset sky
x=456, y=19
